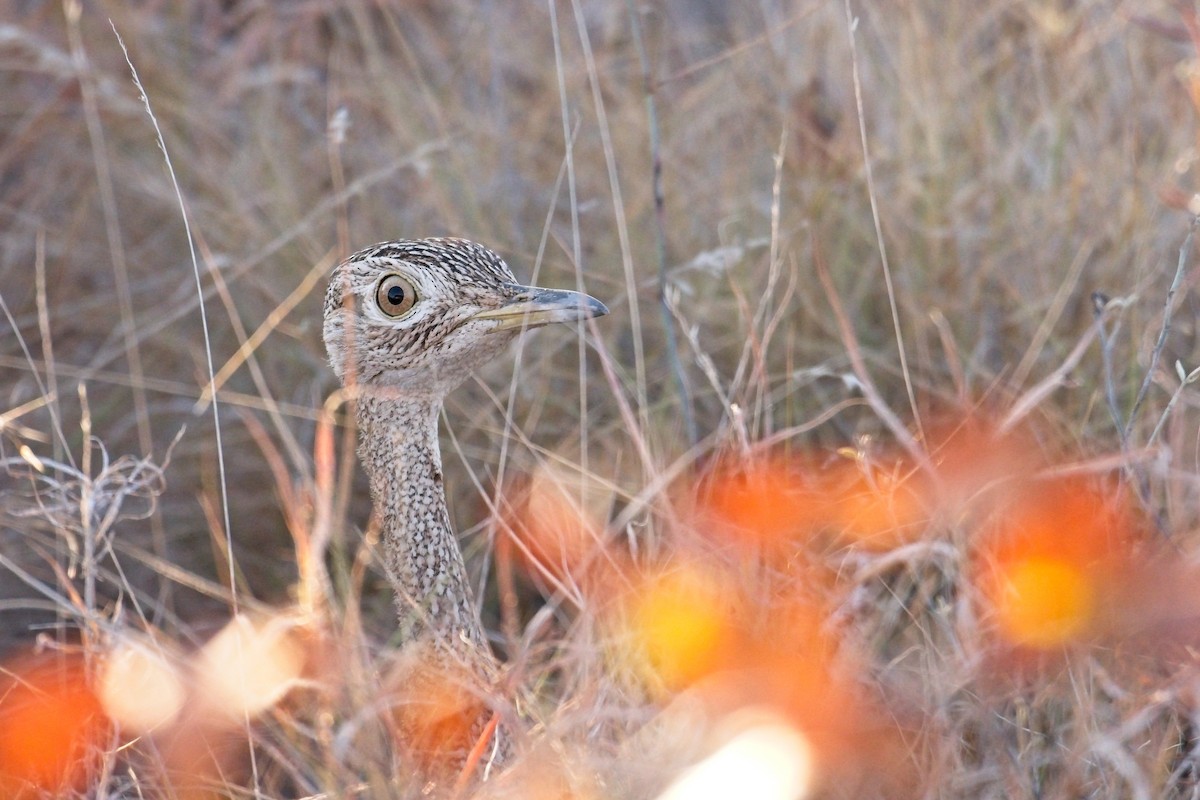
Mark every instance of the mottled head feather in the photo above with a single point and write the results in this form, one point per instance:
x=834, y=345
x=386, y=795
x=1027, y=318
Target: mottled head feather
x=433, y=348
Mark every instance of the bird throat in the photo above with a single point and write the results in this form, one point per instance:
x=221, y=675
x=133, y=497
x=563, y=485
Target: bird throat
x=398, y=447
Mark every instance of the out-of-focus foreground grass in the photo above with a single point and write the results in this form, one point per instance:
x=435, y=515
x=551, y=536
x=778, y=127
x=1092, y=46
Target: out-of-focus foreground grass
x=880, y=479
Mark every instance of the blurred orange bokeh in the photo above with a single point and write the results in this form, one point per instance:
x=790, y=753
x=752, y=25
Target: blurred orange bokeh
x=735, y=643
x=761, y=501
x=775, y=503
x=1055, y=553
x=51, y=723
x=691, y=621
x=683, y=624
x=875, y=508
x=1044, y=602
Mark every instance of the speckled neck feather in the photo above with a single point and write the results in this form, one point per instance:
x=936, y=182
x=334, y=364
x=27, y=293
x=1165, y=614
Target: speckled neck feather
x=398, y=446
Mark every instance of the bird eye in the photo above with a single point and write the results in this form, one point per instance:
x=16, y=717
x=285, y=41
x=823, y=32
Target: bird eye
x=395, y=295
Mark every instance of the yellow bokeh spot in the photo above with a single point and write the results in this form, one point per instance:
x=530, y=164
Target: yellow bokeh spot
x=1045, y=602
x=681, y=627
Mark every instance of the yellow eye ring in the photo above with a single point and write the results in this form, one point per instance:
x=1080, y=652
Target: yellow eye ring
x=395, y=295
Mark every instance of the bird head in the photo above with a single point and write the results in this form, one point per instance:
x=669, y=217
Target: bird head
x=417, y=316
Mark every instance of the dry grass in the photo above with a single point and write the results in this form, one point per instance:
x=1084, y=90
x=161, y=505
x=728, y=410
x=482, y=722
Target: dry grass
x=995, y=238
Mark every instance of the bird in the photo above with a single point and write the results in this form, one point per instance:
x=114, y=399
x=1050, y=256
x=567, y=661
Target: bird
x=405, y=322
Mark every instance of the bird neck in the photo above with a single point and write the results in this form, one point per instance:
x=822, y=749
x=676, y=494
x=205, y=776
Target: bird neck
x=398, y=446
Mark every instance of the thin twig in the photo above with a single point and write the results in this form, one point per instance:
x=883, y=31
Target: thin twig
x=1066, y=290
x=765, y=319
x=1029, y=401
x=660, y=233
x=61, y=451
x=618, y=203
x=1184, y=251
x=187, y=229
x=116, y=244
x=502, y=546
x=1100, y=306
x=703, y=359
x=752, y=363
x=854, y=352
x=245, y=354
x=276, y=316
x=86, y=507
x=569, y=136
x=172, y=388
x=1184, y=382
x=851, y=29
x=33, y=364
x=208, y=355
x=468, y=770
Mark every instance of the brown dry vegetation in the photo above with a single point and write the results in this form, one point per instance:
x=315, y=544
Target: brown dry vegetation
x=1024, y=155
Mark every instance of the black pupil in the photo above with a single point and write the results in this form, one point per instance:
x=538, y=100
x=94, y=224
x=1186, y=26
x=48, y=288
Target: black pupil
x=395, y=295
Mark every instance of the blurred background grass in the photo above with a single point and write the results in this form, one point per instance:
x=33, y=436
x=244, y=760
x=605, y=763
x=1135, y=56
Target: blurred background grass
x=1025, y=155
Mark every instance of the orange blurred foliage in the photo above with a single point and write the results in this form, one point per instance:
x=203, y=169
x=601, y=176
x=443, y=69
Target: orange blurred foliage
x=767, y=501
x=691, y=621
x=438, y=710
x=776, y=503
x=702, y=631
x=876, y=508
x=1056, y=553
x=51, y=724
x=1045, y=602
x=788, y=662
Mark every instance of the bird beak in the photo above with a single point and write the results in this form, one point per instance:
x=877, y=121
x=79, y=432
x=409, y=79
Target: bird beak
x=532, y=306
